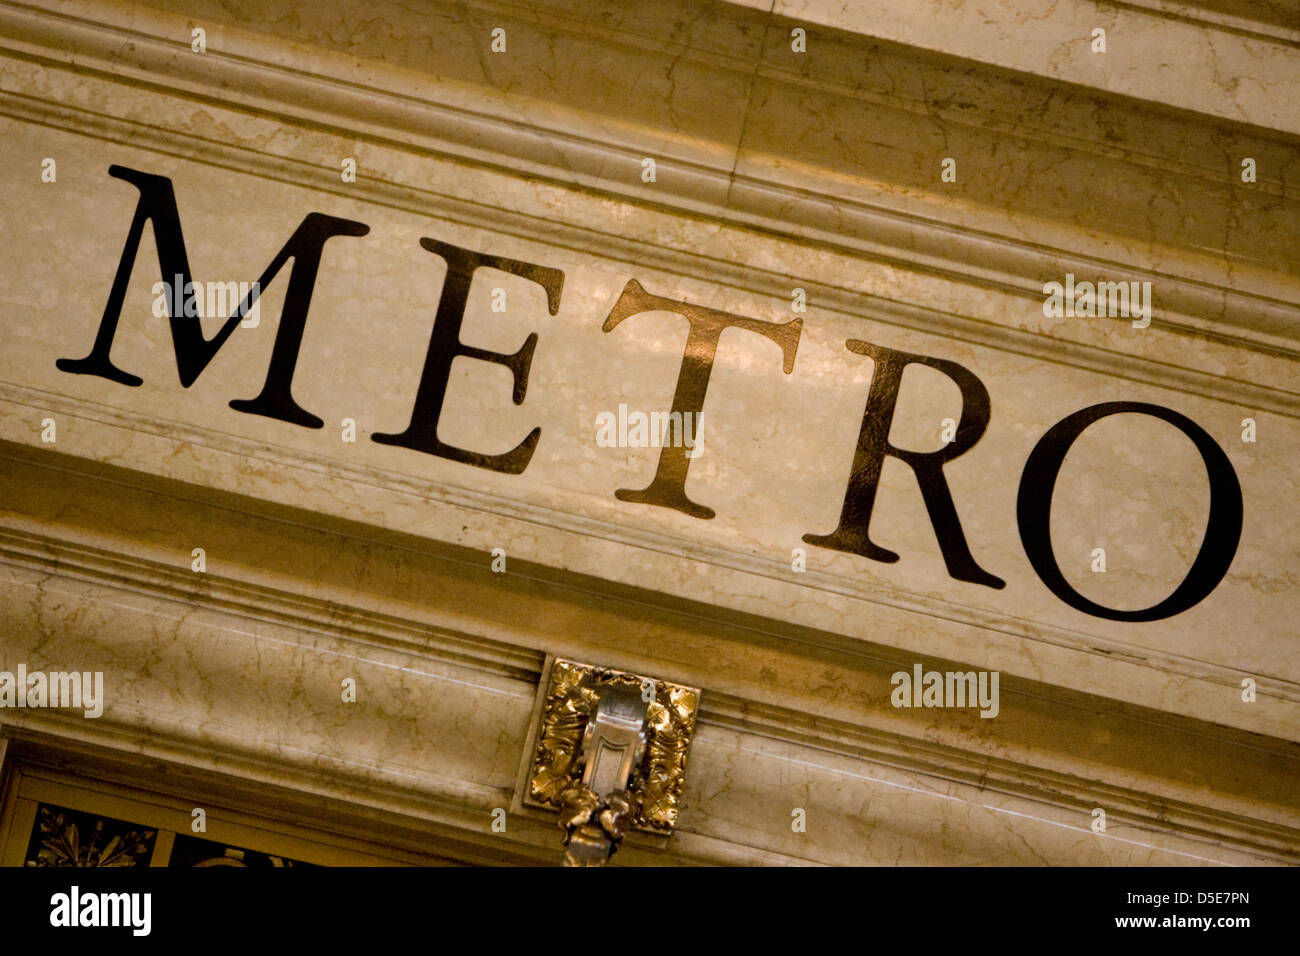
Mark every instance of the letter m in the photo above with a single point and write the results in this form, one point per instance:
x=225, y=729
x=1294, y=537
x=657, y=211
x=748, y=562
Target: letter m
x=65, y=688
x=157, y=205
x=1112, y=298
x=119, y=905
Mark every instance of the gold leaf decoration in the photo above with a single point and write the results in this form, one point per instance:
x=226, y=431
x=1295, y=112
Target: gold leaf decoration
x=670, y=724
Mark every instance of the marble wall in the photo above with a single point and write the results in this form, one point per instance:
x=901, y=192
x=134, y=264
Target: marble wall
x=774, y=170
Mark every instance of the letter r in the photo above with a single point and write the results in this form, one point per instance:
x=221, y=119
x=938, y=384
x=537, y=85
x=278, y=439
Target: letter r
x=852, y=535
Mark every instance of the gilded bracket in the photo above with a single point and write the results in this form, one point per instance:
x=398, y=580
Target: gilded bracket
x=610, y=755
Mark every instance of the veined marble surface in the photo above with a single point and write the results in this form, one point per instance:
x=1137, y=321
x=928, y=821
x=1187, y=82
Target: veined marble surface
x=828, y=181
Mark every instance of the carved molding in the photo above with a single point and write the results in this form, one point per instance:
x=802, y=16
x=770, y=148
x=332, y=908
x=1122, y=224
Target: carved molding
x=1008, y=264
x=895, y=240
x=38, y=549
x=1200, y=300
x=63, y=844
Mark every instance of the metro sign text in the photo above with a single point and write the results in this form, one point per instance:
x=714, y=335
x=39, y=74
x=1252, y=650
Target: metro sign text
x=667, y=489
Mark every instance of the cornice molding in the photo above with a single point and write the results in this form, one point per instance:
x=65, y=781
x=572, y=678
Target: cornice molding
x=1169, y=51
x=765, y=571
x=1132, y=807
x=1272, y=19
x=981, y=269
x=1199, y=295
x=1232, y=301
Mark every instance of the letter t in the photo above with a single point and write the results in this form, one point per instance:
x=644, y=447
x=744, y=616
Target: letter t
x=668, y=489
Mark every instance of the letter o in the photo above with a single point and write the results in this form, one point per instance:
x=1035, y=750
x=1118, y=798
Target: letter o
x=1034, y=509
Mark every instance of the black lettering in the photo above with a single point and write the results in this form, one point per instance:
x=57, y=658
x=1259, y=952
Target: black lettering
x=873, y=445
x=157, y=205
x=1034, y=508
x=445, y=345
